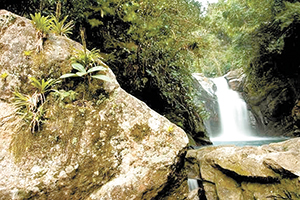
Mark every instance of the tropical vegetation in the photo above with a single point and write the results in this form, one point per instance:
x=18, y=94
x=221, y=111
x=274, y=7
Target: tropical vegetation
x=32, y=106
x=153, y=46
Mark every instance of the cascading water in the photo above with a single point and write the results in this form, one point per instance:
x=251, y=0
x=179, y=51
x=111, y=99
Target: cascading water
x=193, y=184
x=233, y=114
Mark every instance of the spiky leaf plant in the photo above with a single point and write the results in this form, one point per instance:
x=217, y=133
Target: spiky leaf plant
x=43, y=86
x=31, y=107
x=59, y=27
x=41, y=23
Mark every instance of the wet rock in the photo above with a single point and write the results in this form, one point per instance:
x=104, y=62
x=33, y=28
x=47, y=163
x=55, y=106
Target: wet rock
x=235, y=80
x=193, y=195
x=266, y=172
x=116, y=148
x=272, y=108
x=207, y=85
x=296, y=118
x=207, y=88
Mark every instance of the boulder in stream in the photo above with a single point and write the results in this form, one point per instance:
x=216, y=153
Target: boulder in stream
x=242, y=173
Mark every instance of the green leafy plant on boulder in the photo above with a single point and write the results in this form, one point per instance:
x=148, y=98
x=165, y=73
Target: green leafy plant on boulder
x=41, y=23
x=59, y=27
x=45, y=24
x=87, y=64
x=31, y=106
x=82, y=72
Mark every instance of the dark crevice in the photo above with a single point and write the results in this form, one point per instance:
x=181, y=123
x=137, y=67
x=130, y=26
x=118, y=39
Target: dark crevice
x=252, y=179
x=175, y=180
x=283, y=172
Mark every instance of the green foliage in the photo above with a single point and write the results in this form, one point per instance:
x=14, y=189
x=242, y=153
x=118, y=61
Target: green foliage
x=59, y=27
x=46, y=24
x=63, y=95
x=82, y=72
x=31, y=106
x=290, y=14
x=43, y=86
x=153, y=46
x=87, y=63
x=41, y=23
x=87, y=58
x=240, y=32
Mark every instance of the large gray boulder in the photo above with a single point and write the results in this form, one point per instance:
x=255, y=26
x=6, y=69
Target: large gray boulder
x=243, y=173
x=110, y=148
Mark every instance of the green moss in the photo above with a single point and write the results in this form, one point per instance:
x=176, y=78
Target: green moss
x=140, y=131
x=65, y=128
x=22, y=141
x=285, y=189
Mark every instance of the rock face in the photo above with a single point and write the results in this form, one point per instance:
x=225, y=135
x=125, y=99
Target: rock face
x=235, y=80
x=87, y=148
x=243, y=173
x=272, y=107
x=207, y=90
x=296, y=118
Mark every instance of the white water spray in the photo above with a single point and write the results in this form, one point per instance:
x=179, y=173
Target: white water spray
x=234, y=118
x=193, y=184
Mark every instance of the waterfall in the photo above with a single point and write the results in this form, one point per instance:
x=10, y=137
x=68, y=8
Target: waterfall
x=193, y=184
x=233, y=114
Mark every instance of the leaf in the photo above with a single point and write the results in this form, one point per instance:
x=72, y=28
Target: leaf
x=81, y=74
x=46, y=85
x=68, y=75
x=35, y=82
x=79, y=67
x=102, y=77
x=59, y=27
x=95, y=22
x=97, y=68
x=40, y=22
x=21, y=96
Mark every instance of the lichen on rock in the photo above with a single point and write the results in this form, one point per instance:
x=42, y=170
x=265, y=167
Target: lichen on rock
x=115, y=147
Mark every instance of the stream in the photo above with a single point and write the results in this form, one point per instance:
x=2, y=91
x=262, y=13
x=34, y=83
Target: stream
x=235, y=123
